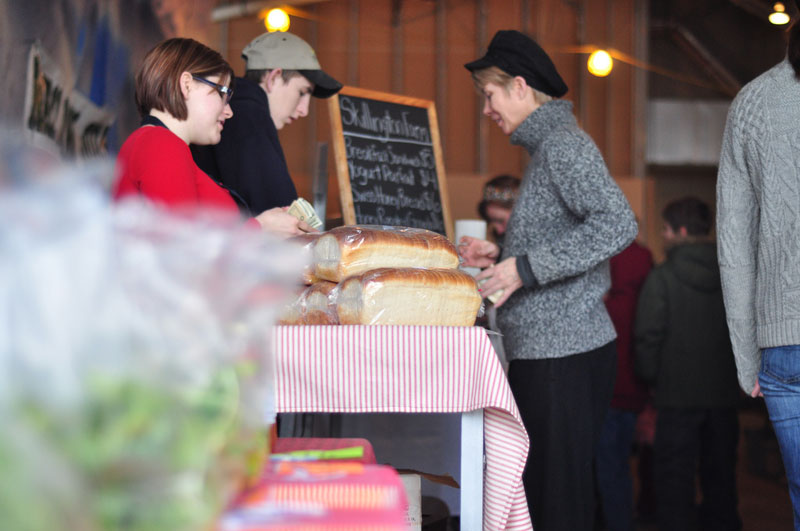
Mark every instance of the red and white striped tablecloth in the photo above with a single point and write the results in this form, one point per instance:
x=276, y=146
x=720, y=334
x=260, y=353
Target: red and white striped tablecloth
x=411, y=369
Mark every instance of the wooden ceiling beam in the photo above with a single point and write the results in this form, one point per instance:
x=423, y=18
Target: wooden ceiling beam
x=728, y=83
x=247, y=8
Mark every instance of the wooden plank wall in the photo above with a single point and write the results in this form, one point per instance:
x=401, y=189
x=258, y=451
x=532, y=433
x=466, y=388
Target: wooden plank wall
x=418, y=48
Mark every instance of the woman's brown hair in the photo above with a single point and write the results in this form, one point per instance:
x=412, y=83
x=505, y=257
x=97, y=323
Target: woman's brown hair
x=158, y=79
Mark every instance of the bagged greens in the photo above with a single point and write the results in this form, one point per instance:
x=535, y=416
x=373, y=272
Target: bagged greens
x=135, y=385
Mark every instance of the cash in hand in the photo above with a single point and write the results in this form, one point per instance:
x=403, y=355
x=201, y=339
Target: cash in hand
x=493, y=297
x=302, y=210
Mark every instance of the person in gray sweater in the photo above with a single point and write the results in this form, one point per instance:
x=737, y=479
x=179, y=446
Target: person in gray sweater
x=569, y=219
x=758, y=226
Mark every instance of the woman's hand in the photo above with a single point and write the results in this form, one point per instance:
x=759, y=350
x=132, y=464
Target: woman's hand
x=476, y=252
x=756, y=390
x=279, y=222
x=503, y=276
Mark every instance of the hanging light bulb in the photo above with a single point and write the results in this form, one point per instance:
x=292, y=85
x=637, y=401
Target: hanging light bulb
x=600, y=63
x=779, y=16
x=277, y=20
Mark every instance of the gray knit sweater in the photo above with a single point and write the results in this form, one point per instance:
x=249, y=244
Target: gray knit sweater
x=569, y=219
x=758, y=218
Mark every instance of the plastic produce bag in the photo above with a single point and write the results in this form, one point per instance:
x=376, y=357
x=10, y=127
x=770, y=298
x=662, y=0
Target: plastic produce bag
x=135, y=384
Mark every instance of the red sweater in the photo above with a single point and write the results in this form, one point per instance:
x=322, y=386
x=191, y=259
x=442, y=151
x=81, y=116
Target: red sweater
x=629, y=269
x=156, y=163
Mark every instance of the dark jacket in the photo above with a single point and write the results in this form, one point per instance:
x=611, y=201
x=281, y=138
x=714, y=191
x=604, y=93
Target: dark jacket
x=629, y=269
x=249, y=159
x=682, y=342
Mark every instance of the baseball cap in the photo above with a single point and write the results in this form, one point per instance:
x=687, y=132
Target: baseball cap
x=518, y=55
x=289, y=52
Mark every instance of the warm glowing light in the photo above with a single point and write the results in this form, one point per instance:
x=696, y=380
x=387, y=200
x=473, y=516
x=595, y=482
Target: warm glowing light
x=779, y=16
x=600, y=63
x=277, y=20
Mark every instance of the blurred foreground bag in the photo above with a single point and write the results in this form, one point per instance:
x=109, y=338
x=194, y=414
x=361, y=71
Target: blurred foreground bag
x=135, y=383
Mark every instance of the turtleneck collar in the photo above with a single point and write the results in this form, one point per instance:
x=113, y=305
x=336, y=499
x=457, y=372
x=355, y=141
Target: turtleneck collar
x=538, y=125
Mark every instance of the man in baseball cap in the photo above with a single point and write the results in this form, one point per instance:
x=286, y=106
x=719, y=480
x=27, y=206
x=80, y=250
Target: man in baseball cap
x=282, y=74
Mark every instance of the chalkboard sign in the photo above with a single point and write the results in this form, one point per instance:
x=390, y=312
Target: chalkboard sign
x=389, y=160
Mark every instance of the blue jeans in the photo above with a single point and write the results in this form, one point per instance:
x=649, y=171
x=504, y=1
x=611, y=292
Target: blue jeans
x=612, y=464
x=779, y=379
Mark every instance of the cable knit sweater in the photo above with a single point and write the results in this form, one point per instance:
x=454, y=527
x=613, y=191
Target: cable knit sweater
x=569, y=219
x=758, y=218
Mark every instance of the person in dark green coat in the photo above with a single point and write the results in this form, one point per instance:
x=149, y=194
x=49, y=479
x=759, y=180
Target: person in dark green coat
x=684, y=351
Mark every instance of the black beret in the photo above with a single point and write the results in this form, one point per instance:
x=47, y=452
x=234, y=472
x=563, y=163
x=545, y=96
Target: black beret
x=518, y=55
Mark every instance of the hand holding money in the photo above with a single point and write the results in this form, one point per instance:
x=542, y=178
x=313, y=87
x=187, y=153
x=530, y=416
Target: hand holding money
x=500, y=280
x=279, y=222
x=494, y=296
x=302, y=210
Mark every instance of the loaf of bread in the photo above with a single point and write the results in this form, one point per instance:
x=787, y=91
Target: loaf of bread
x=319, y=308
x=312, y=306
x=307, y=242
x=438, y=297
x=351, y=250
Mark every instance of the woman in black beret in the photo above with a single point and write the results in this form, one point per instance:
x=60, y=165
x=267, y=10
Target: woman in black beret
x=569, y=218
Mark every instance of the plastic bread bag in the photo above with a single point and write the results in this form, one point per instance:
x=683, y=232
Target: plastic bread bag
x=135, y=381
x=408, y=296
x=319, y=307
x=355, y=249
x=307, y=241
x=312, y=306
x=293, y=313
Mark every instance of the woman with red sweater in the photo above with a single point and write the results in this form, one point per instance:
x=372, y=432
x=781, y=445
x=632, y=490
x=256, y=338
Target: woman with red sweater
x=182, y=93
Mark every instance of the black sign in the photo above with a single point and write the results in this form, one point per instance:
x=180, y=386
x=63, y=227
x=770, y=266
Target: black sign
x=390, y=157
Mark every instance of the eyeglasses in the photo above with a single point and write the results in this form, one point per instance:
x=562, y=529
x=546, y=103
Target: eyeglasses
x=226, y=93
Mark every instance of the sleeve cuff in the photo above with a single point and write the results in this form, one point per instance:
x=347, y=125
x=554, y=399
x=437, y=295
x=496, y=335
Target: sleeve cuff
x=525, y=272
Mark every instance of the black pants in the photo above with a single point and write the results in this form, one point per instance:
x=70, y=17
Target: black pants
x=563, y=403
x=700, y=441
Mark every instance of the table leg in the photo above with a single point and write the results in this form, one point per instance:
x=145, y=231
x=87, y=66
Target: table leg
x=472, y=462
